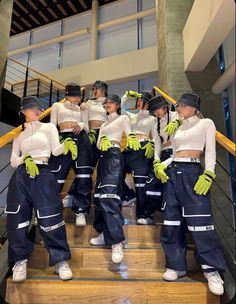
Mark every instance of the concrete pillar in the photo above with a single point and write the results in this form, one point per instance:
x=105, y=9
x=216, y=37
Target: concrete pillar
x=171, y=19
x=6, y=7
x=93, y=31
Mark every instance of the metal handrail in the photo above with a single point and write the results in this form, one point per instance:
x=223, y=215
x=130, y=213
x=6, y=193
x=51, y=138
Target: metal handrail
x=224, y=141
x=39, y=73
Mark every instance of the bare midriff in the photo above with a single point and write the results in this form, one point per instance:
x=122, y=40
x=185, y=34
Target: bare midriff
x=141, y=136
x=67, y=125
x=188, y=153
x=95, y=124
x=167, y=144
x=115, y=142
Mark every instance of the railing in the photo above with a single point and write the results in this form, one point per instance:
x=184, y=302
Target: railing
x=24, y=81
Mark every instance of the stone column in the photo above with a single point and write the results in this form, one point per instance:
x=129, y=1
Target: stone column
x=171, y=19
x=93, y=31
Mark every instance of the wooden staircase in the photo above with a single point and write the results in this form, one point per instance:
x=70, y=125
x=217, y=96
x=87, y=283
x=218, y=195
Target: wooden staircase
x=138, y=279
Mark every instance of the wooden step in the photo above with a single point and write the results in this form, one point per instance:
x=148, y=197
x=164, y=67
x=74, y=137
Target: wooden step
x=128, y=214
x=102, y=291
x=137, y=236
x=147, y=259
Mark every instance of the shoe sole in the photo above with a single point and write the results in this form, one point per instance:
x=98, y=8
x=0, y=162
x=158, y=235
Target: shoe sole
x=64, y=279
x=97, y=244
x=18, y=281
x=171, y=280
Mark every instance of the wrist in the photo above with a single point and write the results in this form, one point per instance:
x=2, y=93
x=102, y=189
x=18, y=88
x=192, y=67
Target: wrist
x=210, y=174
x=26, y=156
x=179, y=121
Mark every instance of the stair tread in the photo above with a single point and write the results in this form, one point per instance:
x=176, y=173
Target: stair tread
x=109, y=291
x=136, y=235
x=147, y=259
x=118, y=272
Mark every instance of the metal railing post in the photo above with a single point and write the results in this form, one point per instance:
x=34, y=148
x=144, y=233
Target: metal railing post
x=58, y=95
x=50, y=93
x=38, y=85
x=26, y=82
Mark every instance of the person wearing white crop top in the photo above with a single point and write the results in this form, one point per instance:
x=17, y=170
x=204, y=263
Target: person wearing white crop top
x=94, y=112
x=139, y=163
x=159, y=107
x=73, y=123
x=108, y=219
x=33, y=186
x=187, y=196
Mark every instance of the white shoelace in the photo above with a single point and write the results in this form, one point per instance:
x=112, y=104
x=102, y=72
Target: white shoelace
x=215, y=277
x=63, y=266
x=20, y=265
x=100, y=237
x=117, y=248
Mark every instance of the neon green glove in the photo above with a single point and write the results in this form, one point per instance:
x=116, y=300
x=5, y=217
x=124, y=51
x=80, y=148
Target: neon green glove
x=133, y=94
x=204, y=182
x=92, y=136
x=173, y=126
x=30, y=165
x=70, y=145
x=149, y=147
x=105, y=143
x=159, y=170
x=132, y=142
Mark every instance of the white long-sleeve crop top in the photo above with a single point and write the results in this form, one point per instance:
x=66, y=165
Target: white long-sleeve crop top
x=95, y=109
x=163, y=137
x=142, y=122
x=196, y=134
x=114, y=127
x=68, y=111
x=38, y=139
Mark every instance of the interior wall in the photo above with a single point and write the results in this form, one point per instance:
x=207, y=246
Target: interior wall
x=113, y=41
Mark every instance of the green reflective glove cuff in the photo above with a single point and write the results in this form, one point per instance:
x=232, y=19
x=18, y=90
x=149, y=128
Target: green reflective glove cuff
x=131, y=134
x=179, y=121
x=210, y=174
x=156, y=161
x=27, y=156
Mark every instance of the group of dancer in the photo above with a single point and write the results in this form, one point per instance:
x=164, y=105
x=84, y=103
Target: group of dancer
x=162, y=154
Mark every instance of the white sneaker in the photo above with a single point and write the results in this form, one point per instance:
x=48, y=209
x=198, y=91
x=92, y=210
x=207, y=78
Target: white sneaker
x=64, y=271
x=80, y=219
x=173, y=275
x=98, y=241
x=144, y=221
x=67, y=201
x=128, y=202
x=215, y=283
x=19, y=271
x=117, y=253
